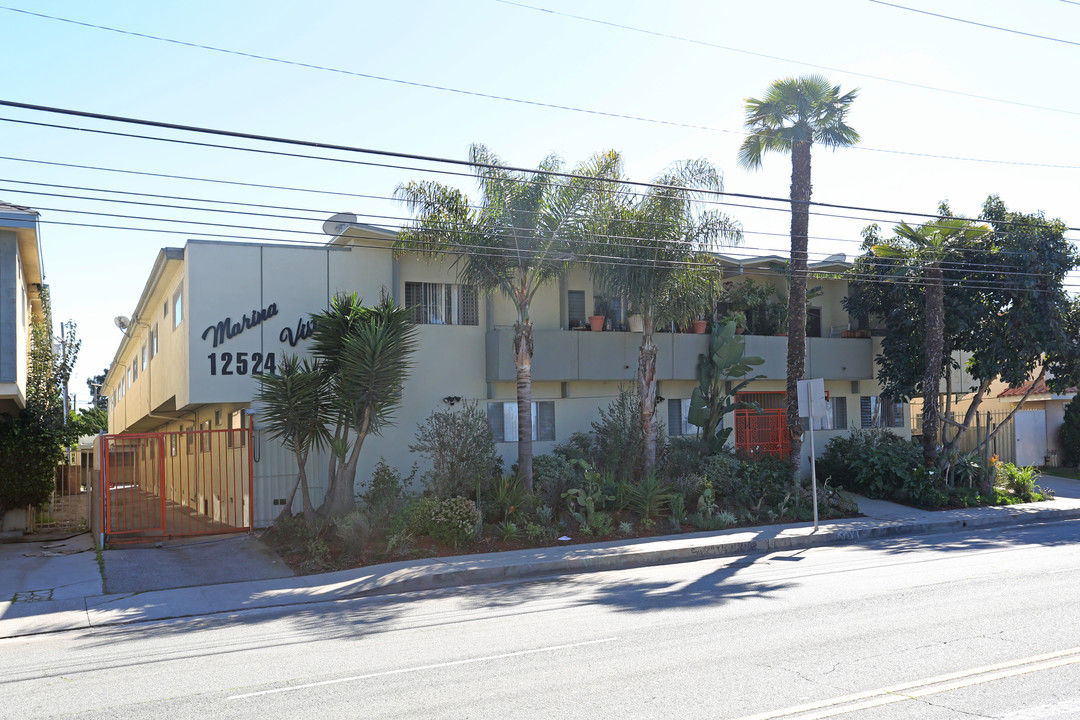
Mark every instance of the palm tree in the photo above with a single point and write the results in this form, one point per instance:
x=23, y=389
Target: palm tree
x=653, y=249
x=515, y=242
x=795, y=114
x=365, y=356
x=926, y=247
x=296, y=409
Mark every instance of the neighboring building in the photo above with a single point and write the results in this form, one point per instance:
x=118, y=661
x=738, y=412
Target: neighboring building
x=1037, y=423
x=21, y=273
x=214, y=314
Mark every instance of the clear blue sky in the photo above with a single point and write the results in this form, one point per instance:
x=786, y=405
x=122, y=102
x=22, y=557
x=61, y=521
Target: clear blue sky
x=489, y=47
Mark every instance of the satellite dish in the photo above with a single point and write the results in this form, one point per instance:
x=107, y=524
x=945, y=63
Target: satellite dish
x=122, y=322
x=338, y=224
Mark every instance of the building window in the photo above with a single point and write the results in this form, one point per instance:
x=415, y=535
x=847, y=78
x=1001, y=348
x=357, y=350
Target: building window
x=813, y=322
x=190, y=435
x=838, y=410
x=880, y=412
x=143, y=366
x=442, y=303
x=178, y=308
x=153, y=342
x=575, y=306
x=502, y=416
x=677, y=412
x=238, y=422
x=204, y=436
x=174, y=444
x=217, y=418
x=134, y=370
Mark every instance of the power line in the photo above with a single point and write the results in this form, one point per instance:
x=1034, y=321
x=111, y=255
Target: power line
x=555, y=106
x=705, y=43
x=322, y=213
x=359, y=150
x=972, y=22
x=490, y=251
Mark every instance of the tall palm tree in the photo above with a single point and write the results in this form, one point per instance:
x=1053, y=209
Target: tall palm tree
x=794, y=114
x=927, y=247
x=518, y=240
x=653, y=248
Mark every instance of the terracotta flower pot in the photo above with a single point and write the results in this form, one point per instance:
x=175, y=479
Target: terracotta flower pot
x=596, y=323
x=699, y=326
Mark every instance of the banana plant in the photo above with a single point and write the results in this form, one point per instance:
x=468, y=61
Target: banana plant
x=726, y=361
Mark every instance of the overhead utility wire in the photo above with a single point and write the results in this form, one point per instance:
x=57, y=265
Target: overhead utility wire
x=628, y=240
x=431, y=86
x=614, y=259
x=348, y=148
x=854, y=73
x=486, y=252
x=323, y=213
x=978, y=24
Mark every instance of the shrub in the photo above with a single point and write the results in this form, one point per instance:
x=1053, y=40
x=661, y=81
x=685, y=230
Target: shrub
x=683, y=456
x=1069, y=433
x=354, y=531
x=384, y=498
x=454, y=521
x=924, y=488
x=461, y=450
x=1020, y=482
x=553, y=475
x=648, y=497
x=579, y=446
x=505, y=499
x=874, y=463
x=620, y=445
x=417, y=516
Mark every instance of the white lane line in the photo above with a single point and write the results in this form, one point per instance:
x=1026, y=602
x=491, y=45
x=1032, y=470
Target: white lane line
x=920, y=688
x=420, y=668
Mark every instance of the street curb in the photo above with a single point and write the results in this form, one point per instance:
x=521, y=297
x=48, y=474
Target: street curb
x=23, y=619
x=621, y=559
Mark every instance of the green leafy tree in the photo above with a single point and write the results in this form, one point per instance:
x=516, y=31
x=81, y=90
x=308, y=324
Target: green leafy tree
x=32, y=442
x=95, y=383
x=795, y=114
x=1005, y=307
x=1069, y=433
x=517, y=240
x=926, y=248
x=89, y=421
x=725, y=362
x=654, y=249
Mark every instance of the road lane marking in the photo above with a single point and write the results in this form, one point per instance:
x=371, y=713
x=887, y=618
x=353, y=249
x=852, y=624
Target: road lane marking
x=921, y=688
x=421, y=668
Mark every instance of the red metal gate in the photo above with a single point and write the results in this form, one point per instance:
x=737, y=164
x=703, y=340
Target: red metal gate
x=177, y=484
x=764, y=433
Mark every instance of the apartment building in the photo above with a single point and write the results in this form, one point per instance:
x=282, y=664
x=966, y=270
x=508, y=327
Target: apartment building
x=21, y=273
x=213, y=315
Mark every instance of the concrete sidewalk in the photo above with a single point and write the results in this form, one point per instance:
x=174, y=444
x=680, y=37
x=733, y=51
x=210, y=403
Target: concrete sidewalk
x=881, y=519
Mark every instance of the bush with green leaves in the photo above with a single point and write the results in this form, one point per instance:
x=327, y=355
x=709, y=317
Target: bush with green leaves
x=553, y=475
x=1069, y=434
x=874, y=463
x=505, y=499
x=619, y=441
x=684, y=455
x=454, y=521
x=1020, y=483
x=924, y=488
x=460, y=449
x=648, y=497
x=354, y=531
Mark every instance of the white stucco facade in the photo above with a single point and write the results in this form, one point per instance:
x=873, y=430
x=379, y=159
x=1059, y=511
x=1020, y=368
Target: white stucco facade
x=200, y=371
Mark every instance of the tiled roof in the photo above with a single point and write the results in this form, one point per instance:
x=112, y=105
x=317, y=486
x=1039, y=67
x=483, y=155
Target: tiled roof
x=1040, y=389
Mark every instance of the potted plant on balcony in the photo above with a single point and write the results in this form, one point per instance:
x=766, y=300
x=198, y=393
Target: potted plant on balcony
x=601, y=309
x=735, y=316
x=764, y=311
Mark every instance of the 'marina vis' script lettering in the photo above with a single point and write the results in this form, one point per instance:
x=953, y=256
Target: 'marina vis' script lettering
x=304, y=329
x=227, y=329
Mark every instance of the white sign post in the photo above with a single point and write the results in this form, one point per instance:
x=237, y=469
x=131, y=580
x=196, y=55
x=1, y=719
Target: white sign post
x=812, y=405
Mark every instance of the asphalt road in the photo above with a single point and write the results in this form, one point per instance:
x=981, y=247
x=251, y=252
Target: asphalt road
x=983, y=625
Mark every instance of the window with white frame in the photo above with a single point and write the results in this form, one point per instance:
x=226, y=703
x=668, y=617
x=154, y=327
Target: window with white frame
x=143, y=354
x=238, y=421
x=134, y=370
x=442, y=303
x=153, y=341
x=503, y=418
x=178, y=308
x=880, y=412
